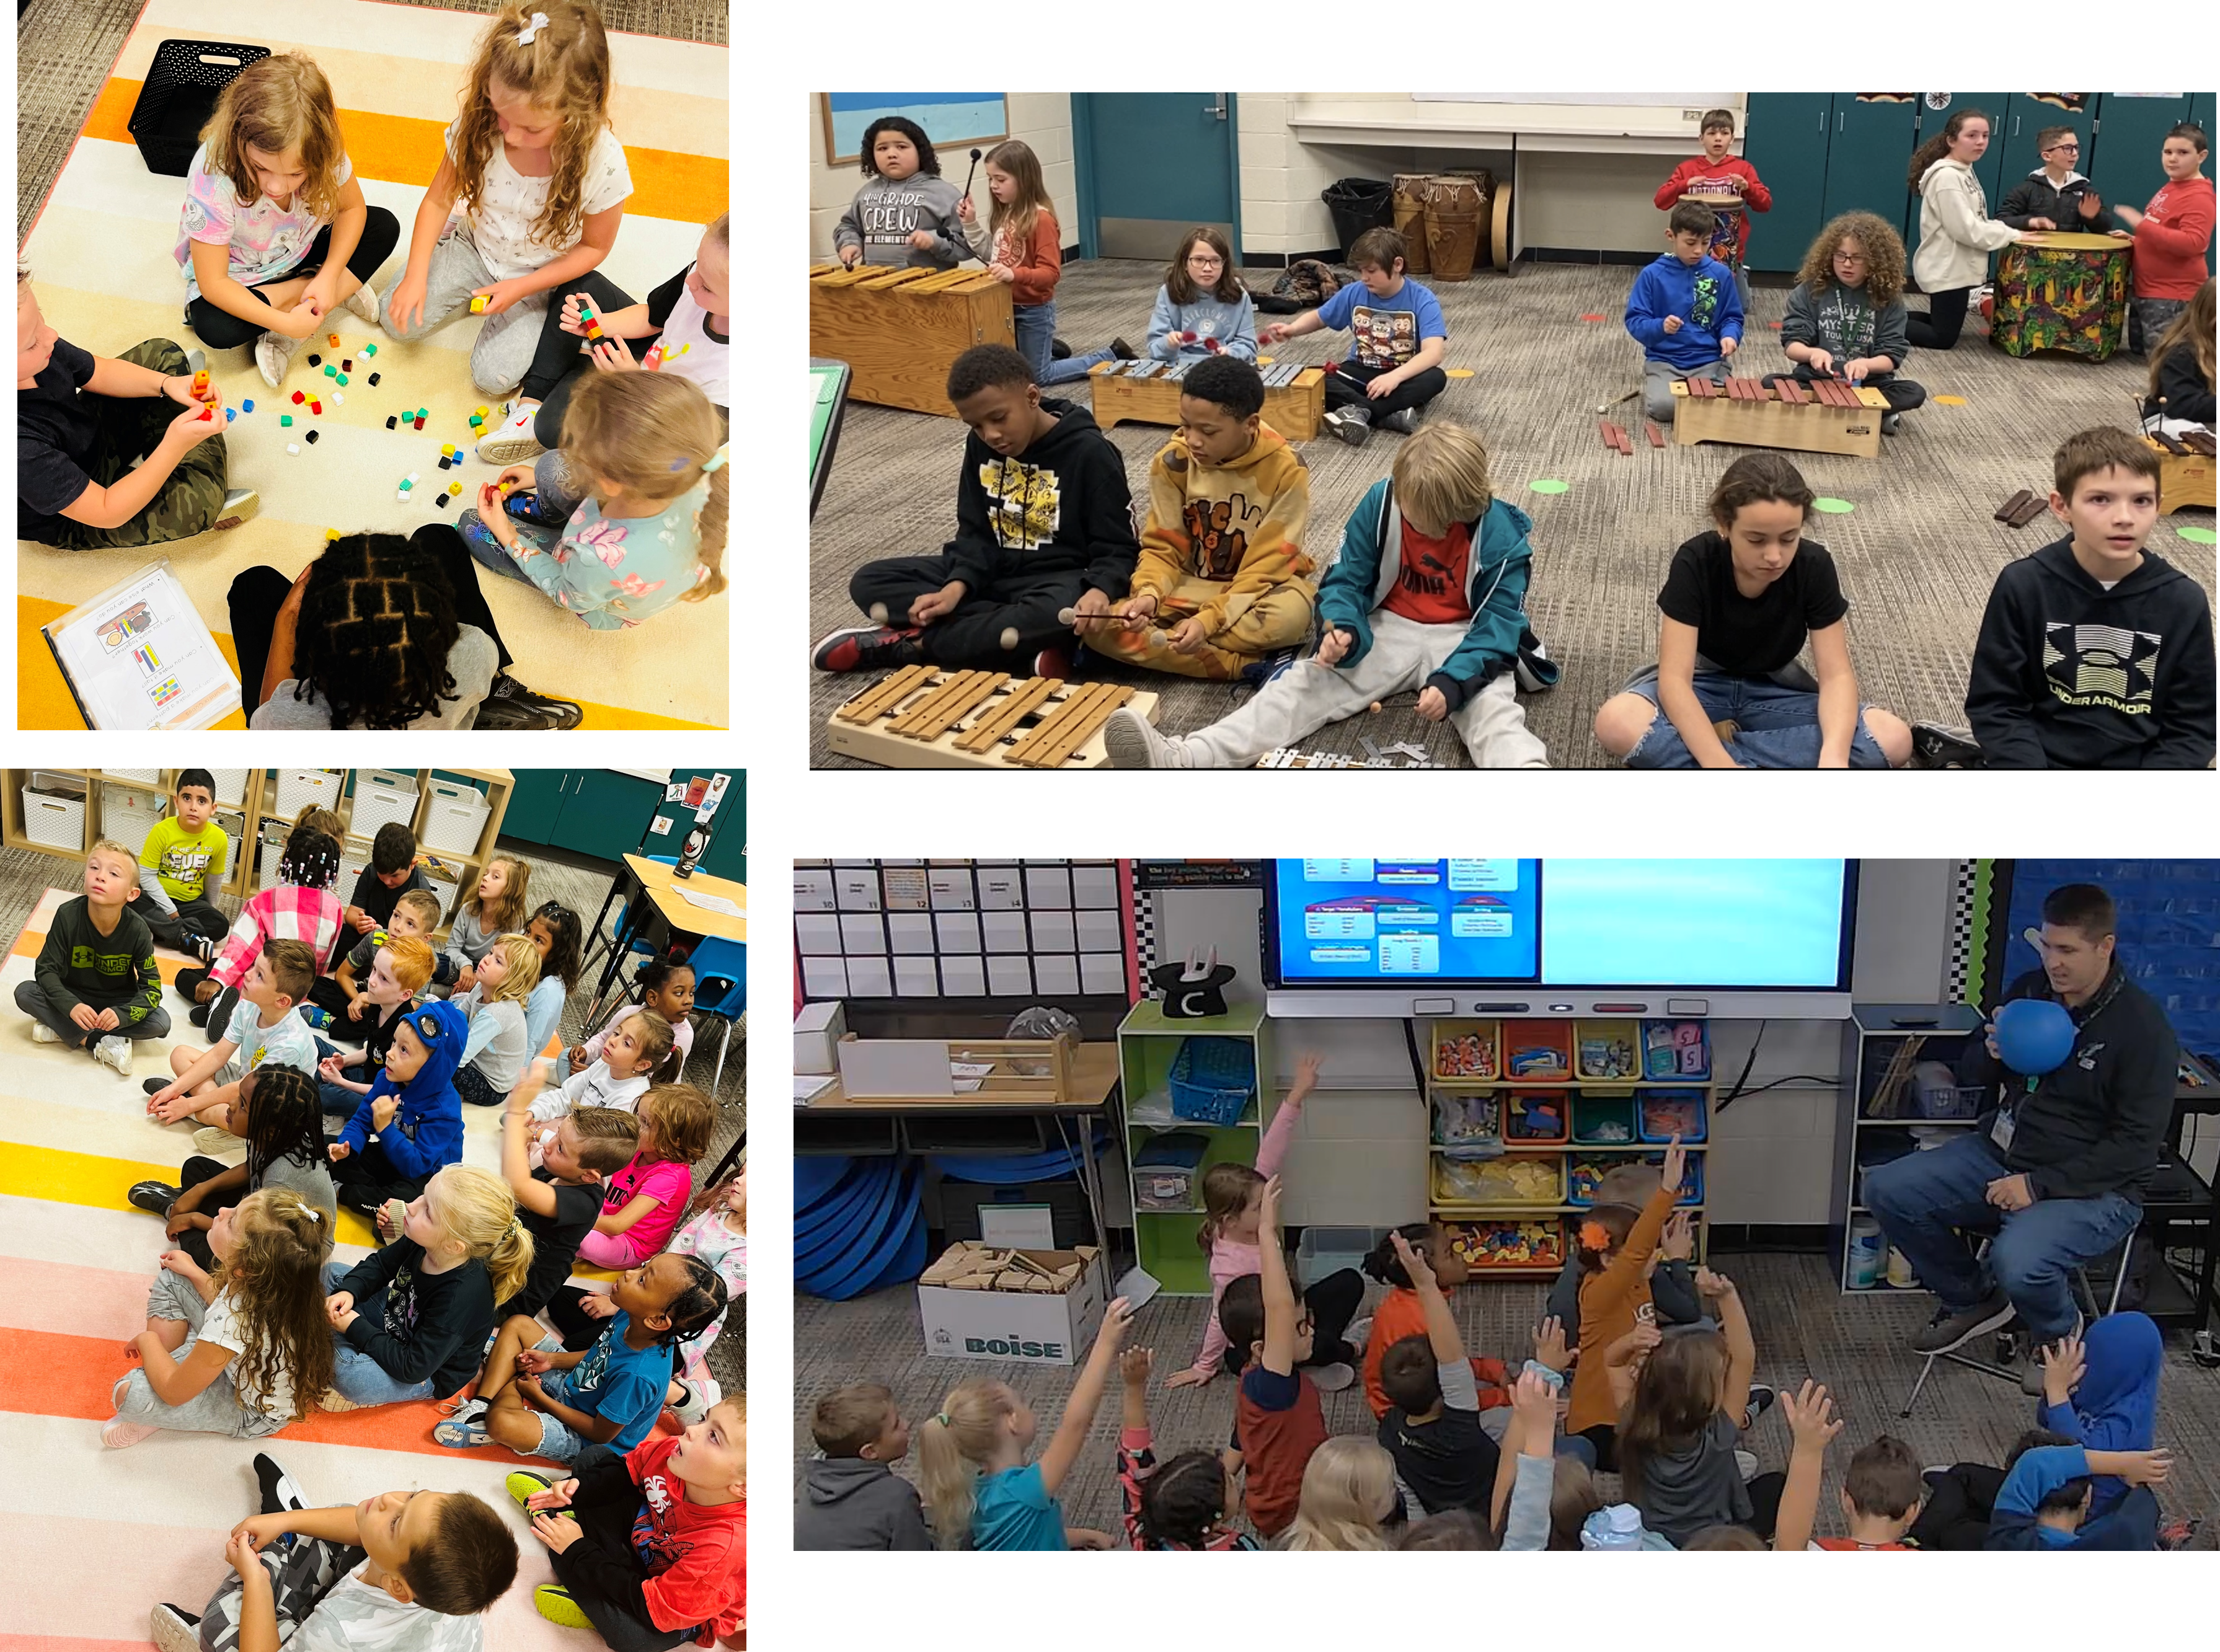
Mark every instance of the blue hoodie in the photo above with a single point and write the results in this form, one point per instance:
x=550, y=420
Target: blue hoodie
x=2115, y=1406
x=1497, y=638
x=426, y=1135
x=1702, y=295
x=1233, y=326
x=2042, y=1471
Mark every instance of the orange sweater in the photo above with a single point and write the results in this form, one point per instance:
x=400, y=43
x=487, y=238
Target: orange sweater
x=1612, y=1303
x=1401, y=1314
x=1037, y=262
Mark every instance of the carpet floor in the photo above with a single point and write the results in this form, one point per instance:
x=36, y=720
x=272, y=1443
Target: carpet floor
x=1918, y=552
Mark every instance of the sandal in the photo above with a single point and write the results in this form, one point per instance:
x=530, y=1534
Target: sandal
x=462, y=1435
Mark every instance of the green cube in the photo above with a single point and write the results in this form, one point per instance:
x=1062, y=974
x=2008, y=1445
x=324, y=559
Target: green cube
x=285, y=419
x=343, y=378
x=330, y=371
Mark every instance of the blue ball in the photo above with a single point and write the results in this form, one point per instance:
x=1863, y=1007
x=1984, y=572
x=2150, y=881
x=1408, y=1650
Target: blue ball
x=2034, y=1036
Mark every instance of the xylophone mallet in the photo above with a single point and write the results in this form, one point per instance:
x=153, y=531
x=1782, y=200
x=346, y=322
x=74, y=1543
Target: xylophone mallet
x=1075, y=619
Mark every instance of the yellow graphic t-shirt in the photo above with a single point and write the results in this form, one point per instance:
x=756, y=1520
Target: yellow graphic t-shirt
x=186, y=864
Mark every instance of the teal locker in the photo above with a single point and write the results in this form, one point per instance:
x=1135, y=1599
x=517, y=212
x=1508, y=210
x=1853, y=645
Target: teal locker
x=1990, y=169
x=2131, y=131
x=1787, y=135
x=2200, y=110
x=2033, y=112
x=535, y=799
x=1870, y=151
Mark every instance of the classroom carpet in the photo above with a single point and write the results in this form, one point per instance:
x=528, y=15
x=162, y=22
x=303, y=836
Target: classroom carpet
x=75, y=1261
x=1917, y=552
x=101, y=250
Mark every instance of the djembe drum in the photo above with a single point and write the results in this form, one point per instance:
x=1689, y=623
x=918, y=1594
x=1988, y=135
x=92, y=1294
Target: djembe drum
x=2061, y=291
x=1410, y=198
x=1454, y=206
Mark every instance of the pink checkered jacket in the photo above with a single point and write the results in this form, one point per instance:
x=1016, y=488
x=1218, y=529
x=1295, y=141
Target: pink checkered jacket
x=290, y=912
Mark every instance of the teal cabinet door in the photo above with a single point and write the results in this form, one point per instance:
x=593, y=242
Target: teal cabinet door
x=535, y=800
x=1991, y=166
x=1868, y=153
x=1786, y=143
x=2131, y=131
x=606, y=814
x=1151, y=166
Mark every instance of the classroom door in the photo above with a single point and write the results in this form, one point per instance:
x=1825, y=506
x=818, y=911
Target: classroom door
x=1153, y=166
x=1786, y=137
x=1868, y=152
x=2131, y=132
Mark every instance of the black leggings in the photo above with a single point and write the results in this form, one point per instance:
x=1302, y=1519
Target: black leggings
x=558, y=361
x=198, y=1168
x=1333, y=1302
x=219, y=329
x=259, y=592
x=593, y=1568
x=366, y=1179
x=1938, y=329
x=1345, y=388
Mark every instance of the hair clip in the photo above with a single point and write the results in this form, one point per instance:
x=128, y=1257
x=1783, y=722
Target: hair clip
x=941, y=1417
x=539, y=21
x=714, y=462
x=312, y=1213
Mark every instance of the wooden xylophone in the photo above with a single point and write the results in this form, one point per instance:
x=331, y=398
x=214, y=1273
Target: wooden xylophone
x=922, y=717
x=900, y=330
x=2185, y=470
x=1825, y=416
x=1148, y=393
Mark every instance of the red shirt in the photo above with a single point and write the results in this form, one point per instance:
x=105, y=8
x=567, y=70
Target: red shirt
x=1278, y=1423
x=1430, y=586
x=1702, y=176
x=2171, y=240
x=696, y=1558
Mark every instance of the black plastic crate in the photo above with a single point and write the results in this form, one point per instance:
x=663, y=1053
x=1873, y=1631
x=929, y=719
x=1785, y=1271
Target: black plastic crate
x=179, y=95
x=962, y=1201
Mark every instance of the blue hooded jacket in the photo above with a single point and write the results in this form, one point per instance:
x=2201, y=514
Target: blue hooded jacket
x=2115, y=1407
x=1702, y=295
x=426, y=1135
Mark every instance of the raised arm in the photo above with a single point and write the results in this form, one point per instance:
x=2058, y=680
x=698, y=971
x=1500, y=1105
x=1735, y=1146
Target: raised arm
x=1078, y=1417
x=1741, y=1347
x=1272, y=1151
x=1278, y=1292
x=1441, y=1324
x=1812, y=1423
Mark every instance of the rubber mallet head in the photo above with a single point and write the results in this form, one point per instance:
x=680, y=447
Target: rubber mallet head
x=1010, y=639
x=877, y=614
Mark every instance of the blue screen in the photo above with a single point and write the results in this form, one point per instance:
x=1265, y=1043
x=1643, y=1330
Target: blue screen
x=1715, y=923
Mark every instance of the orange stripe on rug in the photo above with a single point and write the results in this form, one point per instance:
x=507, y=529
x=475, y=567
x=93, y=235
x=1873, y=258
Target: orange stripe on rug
x=28, y=943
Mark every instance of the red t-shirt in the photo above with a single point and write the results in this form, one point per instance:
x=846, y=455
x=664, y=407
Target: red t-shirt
x=696, y=1558
x=1278, y=1424
x=1429, y=587
x=1850, y=1543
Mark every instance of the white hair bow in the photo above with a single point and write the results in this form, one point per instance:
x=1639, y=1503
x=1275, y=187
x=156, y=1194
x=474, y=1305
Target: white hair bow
x=539, y=21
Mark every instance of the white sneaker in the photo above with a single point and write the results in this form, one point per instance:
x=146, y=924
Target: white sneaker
x=1746, y=1465
x=274, y=354
x=41, y=1034
x=1332, y=1378
x=213, y=1142
x=1134, y=743
x=171, y=1633
x=363, y=300
x=1359, y=1334
x=512, y=442
x=700, y=1396
x=115, y=1051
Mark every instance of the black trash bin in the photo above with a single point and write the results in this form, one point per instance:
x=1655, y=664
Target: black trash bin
x=1357, y=204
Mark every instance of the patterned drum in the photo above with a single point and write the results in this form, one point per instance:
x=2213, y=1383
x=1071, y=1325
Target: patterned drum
x=2061, y=291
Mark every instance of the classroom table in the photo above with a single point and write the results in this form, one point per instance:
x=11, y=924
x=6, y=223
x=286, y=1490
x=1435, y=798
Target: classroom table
x=828, y=382
x=664, y=907
x=1094, y=1084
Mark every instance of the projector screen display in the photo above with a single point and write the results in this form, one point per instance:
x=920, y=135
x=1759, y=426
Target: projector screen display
x=1695, y=924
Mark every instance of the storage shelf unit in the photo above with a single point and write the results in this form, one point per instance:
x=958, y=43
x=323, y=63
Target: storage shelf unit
x=236, y=817
x=1498, y=1038
x=1148, y=1043
x=496, y=783
x=1871, y=1038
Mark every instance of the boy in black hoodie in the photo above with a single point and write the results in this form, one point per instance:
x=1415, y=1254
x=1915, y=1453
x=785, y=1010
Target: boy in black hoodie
x=853, y=1499
x=2094, y=653
x=1043, y=522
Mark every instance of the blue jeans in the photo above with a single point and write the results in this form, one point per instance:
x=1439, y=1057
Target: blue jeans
x=1036, y=330
x=1925, y=1200
x=354, y=1374
x=1779, y=727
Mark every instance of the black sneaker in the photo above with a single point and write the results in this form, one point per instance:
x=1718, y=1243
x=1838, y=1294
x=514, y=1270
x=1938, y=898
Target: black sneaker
x=198, y=1015
x=869, y=648
x=1953, y=1328
x=154, y=1086
x=559, y=713
x=510, y=715
x=1891, y=423
x=280, y=1494
x=220, y=1011
x=206, y=949
x=1761, y=1399
x=1936, y=746
x=1260, y=671
x=1123, y=350
x=155, y=1197
x=1058, y=349
x=1402, y=421
x=1352, y=424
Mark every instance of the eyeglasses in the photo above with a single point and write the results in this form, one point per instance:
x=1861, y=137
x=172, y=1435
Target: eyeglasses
x=1202, y=261
x=2063, y=149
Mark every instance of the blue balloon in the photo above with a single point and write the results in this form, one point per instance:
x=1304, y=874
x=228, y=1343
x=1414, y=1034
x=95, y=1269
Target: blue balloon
x=2034, y=1036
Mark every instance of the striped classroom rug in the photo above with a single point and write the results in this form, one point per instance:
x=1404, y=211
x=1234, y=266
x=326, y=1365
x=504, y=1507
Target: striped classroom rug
x=75, y=1261
x=102, y=268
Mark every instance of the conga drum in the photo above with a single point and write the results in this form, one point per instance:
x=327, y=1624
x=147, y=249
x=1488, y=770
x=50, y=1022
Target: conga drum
x=1410, y=197
x=2061, y=291
x=1453, y=213
x=1486, y=179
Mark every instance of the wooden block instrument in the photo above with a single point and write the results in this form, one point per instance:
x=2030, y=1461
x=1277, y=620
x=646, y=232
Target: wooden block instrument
x=1839, y=418
x=900, y=330
x=1148, y=393
x=921, y=717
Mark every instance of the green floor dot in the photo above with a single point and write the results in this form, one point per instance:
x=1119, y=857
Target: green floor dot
x=2200, y=535
x=1834, y=506
x=1549, y=484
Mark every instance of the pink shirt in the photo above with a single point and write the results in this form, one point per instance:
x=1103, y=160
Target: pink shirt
x=288, y=911
x=263, y=240
x=682, y=1034
x=666, y=1180
x=1231, y=1258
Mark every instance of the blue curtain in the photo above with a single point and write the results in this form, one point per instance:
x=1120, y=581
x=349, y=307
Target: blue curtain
x=2169, y=931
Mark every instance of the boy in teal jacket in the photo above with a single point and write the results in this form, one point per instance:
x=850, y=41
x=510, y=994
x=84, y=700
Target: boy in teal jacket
x=1427, y=593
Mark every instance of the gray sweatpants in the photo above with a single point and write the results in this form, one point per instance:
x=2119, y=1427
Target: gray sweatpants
x=1307, y=696
x=217, y=1408
x=1657, y=377
x=505, y=346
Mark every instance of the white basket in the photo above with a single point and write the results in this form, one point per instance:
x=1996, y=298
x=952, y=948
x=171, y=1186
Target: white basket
x=273, y=850
x=233, y=824
x=298, y=787
x=453, y=817
x=140, y=776
x=230, y=786
x=351, y=861
x=53, y=810
x=381, y=798
x=128, y=813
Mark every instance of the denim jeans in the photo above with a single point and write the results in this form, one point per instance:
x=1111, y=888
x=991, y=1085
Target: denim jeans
x=1925, y=1200
x=1071, y=367
x=1778, y=727
x=1036, y=330
x=354, y=1374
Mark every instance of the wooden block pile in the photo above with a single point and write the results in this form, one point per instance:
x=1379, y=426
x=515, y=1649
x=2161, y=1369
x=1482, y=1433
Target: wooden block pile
x=2021, y=508
x=968, y=1265
x=1615, y=437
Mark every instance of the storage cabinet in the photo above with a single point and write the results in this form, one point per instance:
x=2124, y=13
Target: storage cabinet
x=103, y=814
x=2131, y=131
x=1786, y=140
x=1870, y=150
x=606, y=814
x=2027, y=114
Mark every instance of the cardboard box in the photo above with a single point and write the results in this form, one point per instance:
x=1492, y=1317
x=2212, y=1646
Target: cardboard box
x=1030, y=1307
x=817, y=1030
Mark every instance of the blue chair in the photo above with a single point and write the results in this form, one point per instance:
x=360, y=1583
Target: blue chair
x=720, y=988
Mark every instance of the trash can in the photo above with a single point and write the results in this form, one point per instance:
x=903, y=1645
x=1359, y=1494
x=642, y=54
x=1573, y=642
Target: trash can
x=1357, y=204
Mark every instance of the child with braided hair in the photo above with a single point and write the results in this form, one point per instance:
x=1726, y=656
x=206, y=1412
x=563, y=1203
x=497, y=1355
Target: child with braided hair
x=299, y=907
x=1187, y=1503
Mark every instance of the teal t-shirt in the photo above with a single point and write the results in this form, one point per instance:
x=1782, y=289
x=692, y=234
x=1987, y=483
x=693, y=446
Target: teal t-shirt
x=613, y=572
x=620, y=1383
x=1015, y=1511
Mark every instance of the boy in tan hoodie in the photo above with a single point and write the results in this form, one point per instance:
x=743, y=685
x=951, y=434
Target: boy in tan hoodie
x=1223, y=578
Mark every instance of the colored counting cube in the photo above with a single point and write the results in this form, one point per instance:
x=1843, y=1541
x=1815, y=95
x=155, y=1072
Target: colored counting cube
x=298, y=398
x=370, y=350
x=441, y=502
x=312, y=435
x=315, y=406
x=449, y=450
x=332, y=339
x=443, y=461
x=229, y=414
x=292, y=447
x=200, y=383
x=373, y=380
x=484, y=411
x=453, y=488
x=247, y=406
x=419, y=421
x=316, y=361
x=348, y=366
x=330, y=371
x=477, y=304
x=343, y=378
x=390, y=421
x=206, y=415
x=286, y=419
x=338, y=399
x=330, y=534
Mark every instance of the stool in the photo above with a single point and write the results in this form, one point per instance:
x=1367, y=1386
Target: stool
x=2085, y=1300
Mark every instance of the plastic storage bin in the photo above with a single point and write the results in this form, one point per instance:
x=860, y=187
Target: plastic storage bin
x=1582, y=1174
x=1609, y=1050
x=298, y=787
x=233, y=824
x=128, y=813
x=352, y=860
x=1469, y=1123
x=179, y=95
x=453, y=817
x=1603, y=1118
x=1212, y=1080
x=1323, y=1251
x=1466, y=1050
x=1935, y=1093
x=1662, y=1112
x=1526, y=1181
x=383, y=798
x=273, y=850
x=1534, y=1242
x=53, y=810
x=230, y=785
x=1537, y=1050
x=149, y=777
x=1165, y=1171
x=1536, y=1118
x=1675, y=1049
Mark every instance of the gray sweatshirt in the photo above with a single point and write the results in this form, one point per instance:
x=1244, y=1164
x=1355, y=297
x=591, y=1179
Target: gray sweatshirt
x=847, y=1503
x=884, y=215
x=495, y=1045
x=1842, y=322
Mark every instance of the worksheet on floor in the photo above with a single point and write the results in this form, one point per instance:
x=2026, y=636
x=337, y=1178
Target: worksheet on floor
x=138, y=655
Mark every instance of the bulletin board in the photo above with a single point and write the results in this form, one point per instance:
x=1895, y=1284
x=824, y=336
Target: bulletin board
x=1048, y=929
x=947, y=117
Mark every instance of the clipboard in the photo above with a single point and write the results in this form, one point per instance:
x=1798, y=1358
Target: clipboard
x=138, y=655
